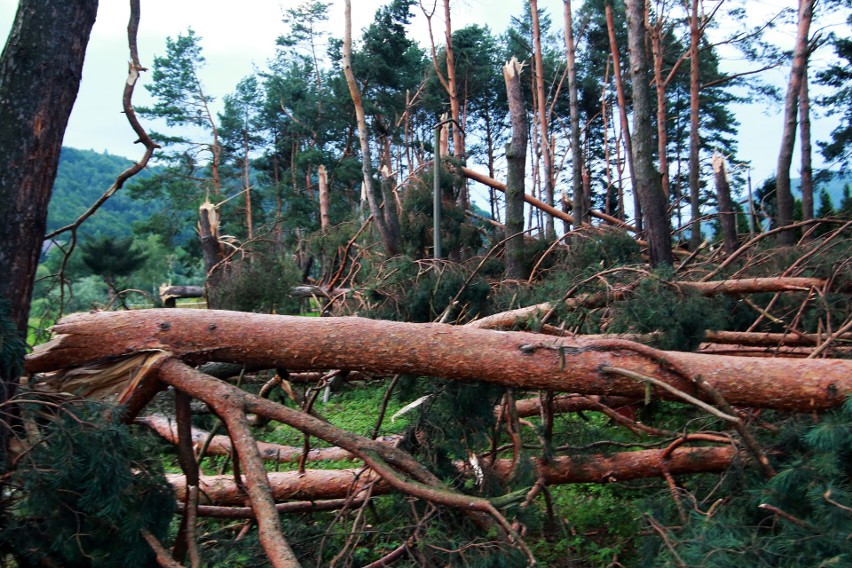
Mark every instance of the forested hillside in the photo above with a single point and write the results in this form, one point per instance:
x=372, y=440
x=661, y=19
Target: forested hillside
x=82, y=177
x=507, y=298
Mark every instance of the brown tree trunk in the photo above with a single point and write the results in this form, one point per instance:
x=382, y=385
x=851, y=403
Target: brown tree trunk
x=694, y=131
x=522, y=360
x=581, y=207
x=391, y=246
x=516, y=158
x=807, y=181
x=791, y=107
x=40, y=70
x=651, y=197
x=322, y=484
x=323, y=198
x=727, y=215
x=541, y=109
x=622, y=109
x=211, y=250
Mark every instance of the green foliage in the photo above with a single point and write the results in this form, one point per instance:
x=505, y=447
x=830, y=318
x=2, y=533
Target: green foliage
x=84, y=492
x=679, y=316
x=111, y=258
x=83, y=176
x=405, y=290
x=812, y=487
x=260, y=281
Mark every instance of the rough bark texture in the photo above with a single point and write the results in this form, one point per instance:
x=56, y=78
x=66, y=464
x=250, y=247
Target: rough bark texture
x=694, y=131
x=324, y=202
x=581, y=206
x=791, y=108
x=727, y=215
x=541, y=109
x=595, y=468
x=516, y=158
x=651, y=197
x=522, y=360
x=40, y=71
x=211, y=249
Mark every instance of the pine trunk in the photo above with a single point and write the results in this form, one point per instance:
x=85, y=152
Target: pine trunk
x=651, y=197
x=791, y=108
x=516, y=158
x=541, y=109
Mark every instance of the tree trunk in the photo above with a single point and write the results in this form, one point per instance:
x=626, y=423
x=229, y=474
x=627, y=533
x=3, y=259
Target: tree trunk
x=807, y=185
x=541, y=104
x=581, y=206
x=622, y=109
x=651, y=197
x=522, y=360
x=211, y=250
x=727, y=215
x=788, y=135
x=694, y=131
x=324, y=203
x=322, y=484
x=391, y=246
x=516, y=158
x=40, y=70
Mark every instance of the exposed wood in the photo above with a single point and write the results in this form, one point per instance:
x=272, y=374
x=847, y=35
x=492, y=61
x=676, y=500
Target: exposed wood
x=594, y=468
x=211, y=249
x=516, y=158
x=726, y=213
x=518, y=359
x=324, y=202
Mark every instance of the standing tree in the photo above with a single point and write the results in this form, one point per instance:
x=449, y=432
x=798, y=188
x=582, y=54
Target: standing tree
x=40, y=71
x=791, y=108
x=516, y=156
x=648, y=186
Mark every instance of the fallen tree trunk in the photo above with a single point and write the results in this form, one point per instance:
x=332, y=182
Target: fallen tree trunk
x=221, y=445
x=522, y=360
x=314, y=484
x=710, y=288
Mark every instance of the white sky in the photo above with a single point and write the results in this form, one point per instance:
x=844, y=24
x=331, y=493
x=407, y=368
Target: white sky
x=239, y=35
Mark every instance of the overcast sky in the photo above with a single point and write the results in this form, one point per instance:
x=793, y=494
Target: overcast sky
x=238, y=36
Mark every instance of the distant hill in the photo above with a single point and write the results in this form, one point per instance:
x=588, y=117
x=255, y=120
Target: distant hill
x=82, y=178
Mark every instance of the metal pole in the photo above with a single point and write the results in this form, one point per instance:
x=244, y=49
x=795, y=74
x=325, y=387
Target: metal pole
x=436, y=168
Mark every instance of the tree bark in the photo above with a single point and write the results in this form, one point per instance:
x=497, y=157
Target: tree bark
x=391, y=247
x=40, y=71
x=581, y=207
x=694, y=131
x=324, y=203
x=595, y=468
x=516, y=158
x=522, y=360
x=651, y=196
x=727, y=215
x=807, y=185
x=541, y=104
x=211, y=250
x=622, y=109
x=788, y=135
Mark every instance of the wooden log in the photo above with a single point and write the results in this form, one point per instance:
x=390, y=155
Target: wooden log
x=313, y=484
x=521, y=360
